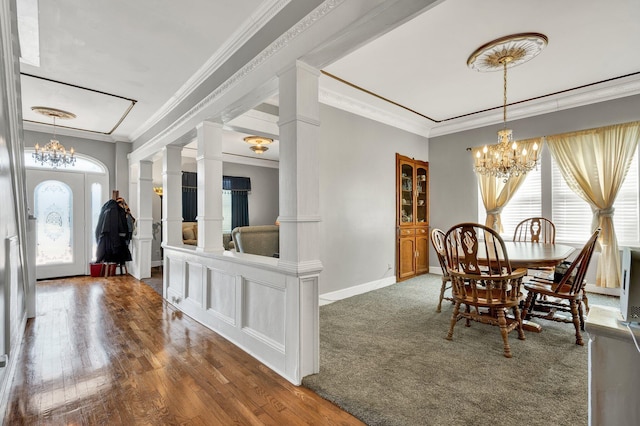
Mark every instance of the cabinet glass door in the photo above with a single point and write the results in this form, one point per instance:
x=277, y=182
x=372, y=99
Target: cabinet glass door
x=421, y=195
x=406, y=213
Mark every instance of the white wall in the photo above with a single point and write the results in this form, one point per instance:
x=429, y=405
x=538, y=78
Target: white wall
x=13, y=215
x=357, y=197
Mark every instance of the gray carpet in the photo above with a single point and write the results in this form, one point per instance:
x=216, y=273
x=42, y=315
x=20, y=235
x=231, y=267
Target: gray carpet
x=384, y=358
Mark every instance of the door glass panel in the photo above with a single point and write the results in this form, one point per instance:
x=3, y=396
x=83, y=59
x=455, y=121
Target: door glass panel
x=53, y=210
x=96, y=201
x=421, y=195
x=407, y=193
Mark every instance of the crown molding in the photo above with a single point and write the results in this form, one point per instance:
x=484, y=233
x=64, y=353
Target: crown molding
x=580, y=97
x=250, y=27
x=418, y=125
x=76, y=133
x=388, y=115
x=281, y=42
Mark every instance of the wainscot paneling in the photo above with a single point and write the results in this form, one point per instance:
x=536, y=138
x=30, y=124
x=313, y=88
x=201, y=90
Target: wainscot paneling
x=268, y=310
x=221, y=295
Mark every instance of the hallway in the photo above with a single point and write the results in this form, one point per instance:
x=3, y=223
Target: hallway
x=110, y=351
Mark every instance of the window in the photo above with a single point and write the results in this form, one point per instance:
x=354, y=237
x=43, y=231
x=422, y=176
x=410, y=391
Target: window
x=525, y=203
x=226, y=211
x=570, y=213
x=54, y=210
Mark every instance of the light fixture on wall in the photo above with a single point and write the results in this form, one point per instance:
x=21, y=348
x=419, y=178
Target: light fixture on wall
x=158, y=190
x=503, y=159
x=54, y=153
x=258, y=143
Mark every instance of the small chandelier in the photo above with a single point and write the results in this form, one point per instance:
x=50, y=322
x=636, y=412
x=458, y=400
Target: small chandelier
x=504, y=159
x=258, y=143
x=54, y=153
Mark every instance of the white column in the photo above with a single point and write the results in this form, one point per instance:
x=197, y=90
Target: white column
x=142, y=174
x=299, y=165
x=172, y=195
x=299, y=214
x=209, y=162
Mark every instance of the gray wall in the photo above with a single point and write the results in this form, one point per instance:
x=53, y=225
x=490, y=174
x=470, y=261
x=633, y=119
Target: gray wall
x=454, y=193
x=263, y=198
x=102, y=151
x=357, y=197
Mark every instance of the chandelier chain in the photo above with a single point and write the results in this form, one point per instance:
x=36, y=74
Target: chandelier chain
x=504, y=98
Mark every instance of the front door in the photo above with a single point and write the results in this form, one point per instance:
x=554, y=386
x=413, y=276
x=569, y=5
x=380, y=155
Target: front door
x=57, y=200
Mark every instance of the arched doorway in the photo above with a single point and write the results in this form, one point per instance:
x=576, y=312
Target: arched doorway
x=66, y=204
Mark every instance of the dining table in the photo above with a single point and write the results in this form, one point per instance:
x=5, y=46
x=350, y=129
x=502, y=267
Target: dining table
x=536, y=255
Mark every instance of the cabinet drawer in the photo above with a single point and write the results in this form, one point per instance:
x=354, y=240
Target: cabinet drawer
x=422, y=231
x=406, y=232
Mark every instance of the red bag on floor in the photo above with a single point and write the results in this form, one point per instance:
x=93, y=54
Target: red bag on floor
x=97, y=269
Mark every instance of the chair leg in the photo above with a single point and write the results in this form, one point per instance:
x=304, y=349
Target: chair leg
x=516, y=314
x=454, y=320
x=468, y=310
x=528, y=305
x=580, y=315
x=502, y=322
x=585, y=300
x=442, y=289
x=576, y=322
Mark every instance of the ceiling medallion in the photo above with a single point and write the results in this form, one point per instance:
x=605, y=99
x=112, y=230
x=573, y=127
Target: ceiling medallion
x=54, y=153
x=513, y=50
x=258, y=143
x=504, y=159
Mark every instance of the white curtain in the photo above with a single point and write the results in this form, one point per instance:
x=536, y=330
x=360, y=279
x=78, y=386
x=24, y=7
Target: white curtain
x=594, y=164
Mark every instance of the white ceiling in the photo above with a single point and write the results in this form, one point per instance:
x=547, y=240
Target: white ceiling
x=151, y=53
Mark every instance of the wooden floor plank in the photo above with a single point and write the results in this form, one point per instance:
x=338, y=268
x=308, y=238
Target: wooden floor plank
x=111, y=351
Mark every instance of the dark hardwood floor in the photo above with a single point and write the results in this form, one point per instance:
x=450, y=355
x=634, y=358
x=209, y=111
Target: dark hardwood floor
x=110, y=351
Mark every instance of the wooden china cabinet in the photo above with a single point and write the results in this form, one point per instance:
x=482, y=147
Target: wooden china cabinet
x=412, y=217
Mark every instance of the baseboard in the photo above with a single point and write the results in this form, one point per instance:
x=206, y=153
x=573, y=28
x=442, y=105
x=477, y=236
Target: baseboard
x=155, y=263
x=437, y=270
x=334, y=296
x=592, y=288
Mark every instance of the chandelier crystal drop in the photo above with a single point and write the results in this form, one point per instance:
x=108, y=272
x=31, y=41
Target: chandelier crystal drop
x=54, y=153
x=505, y=159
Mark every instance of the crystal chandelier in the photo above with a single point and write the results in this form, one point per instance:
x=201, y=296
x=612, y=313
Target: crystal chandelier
x=54, y=153
x=505, y=159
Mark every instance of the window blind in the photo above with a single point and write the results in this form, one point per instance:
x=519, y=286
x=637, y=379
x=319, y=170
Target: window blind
x=625, y=218
x=572, y=215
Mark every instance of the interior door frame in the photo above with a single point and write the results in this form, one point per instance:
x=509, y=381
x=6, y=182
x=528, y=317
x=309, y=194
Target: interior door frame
x=88, y=179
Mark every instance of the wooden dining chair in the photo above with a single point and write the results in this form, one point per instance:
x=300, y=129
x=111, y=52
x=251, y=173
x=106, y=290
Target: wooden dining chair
x=437, y=240
x=488, y=287
x=536, y=230
x=566, y=296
